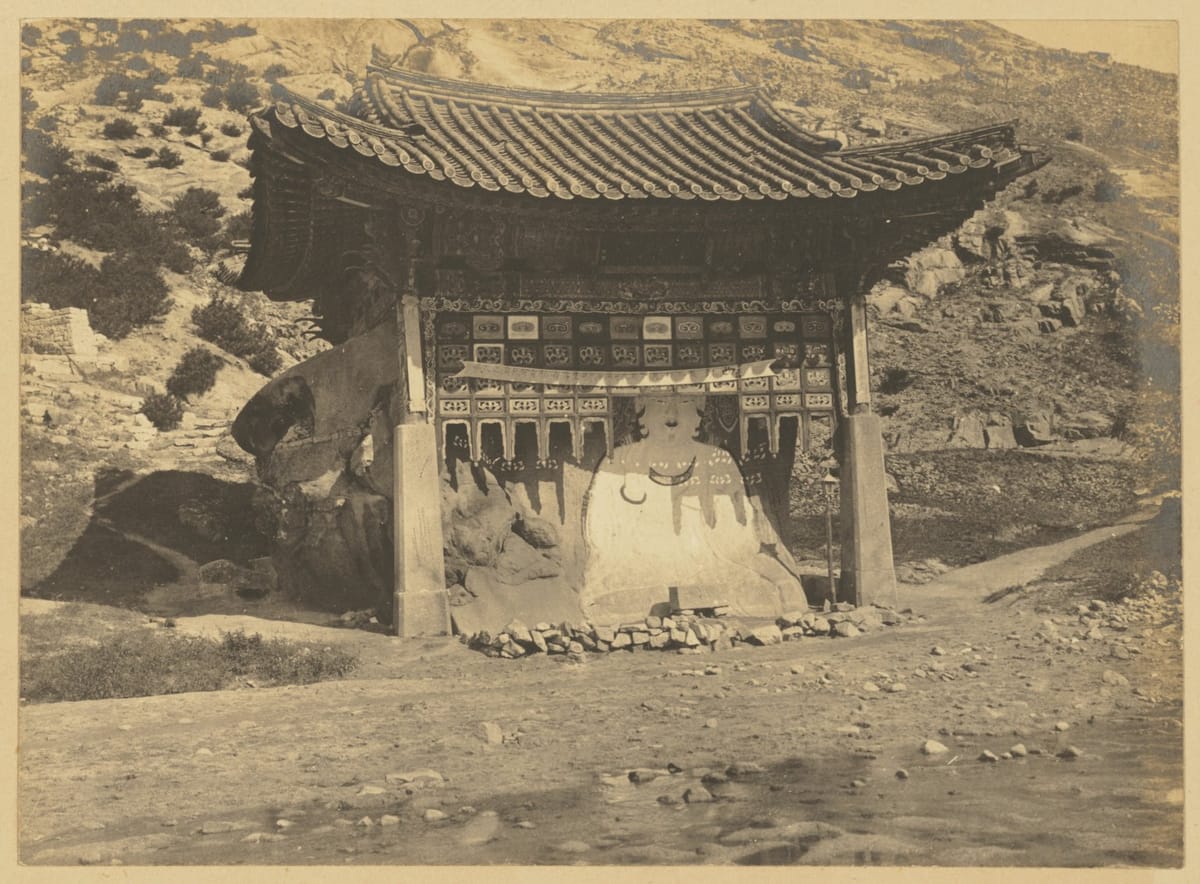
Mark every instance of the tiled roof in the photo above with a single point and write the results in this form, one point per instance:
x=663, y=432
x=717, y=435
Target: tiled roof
x=728, y=144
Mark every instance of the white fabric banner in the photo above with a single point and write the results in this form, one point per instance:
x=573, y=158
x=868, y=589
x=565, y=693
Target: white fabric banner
x=624, y=379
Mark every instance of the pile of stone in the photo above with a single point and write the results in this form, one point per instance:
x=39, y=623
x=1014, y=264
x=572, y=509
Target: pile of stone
x=681, y=632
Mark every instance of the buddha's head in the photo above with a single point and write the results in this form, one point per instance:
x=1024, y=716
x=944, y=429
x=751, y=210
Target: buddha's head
x=668, y=418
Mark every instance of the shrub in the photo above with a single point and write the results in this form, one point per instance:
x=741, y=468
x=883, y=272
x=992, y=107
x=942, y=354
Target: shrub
x=274, y=72
x=197, y=213
x=30, y=35
x=106, y=25
x=241, y=96
x=120, y=129
x=171, y=42
x=1074, y=134
x=225, y=72
x=130, y=41
x=186, y=119
x=28, y=102
x=206, y=137
x=1108, y=189
x=190, y=67
x=94, y=159
x=223, y=323
x=327, y=95
x=239, y=226
x=246, y=192
x=158, y=130
x=137, y=63
x=132, y=102
x=195, y=374
x=221, y=156
x=56, y=279
x=213, y=96
x=265, y=360
x=130, y=294
x=43, y=155
x=74, y=54
x=110, y=88
x=163, y=410
x=233, y=130
x=69, y=37
x=140, y=153
x=167, y=159
x=48, y=124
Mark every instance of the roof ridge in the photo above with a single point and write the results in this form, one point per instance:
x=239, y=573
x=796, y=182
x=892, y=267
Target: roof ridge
x=935, y=140
x=467, y=89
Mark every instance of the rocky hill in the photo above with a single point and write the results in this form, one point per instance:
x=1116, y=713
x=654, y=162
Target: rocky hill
x=1050, y=319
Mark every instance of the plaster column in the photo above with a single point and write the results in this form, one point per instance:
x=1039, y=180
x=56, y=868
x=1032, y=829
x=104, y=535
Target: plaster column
x=421, y=604
x=868, y=572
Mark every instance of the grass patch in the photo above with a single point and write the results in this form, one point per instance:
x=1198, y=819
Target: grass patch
x=145, y=662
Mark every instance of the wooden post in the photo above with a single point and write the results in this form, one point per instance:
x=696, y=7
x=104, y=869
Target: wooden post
x=421, y=604
x=868, y=572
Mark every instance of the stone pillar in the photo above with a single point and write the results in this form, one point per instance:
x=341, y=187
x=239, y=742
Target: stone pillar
x=868, y=572
x=421, y=603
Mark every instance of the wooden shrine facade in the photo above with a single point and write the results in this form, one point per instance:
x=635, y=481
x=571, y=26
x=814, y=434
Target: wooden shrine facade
x=545, y=256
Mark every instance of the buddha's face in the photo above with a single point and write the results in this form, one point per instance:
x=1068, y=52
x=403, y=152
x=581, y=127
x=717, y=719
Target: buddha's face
x=669, y=418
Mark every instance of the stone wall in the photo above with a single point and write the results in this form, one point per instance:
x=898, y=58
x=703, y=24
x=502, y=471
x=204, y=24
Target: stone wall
x=60, y=332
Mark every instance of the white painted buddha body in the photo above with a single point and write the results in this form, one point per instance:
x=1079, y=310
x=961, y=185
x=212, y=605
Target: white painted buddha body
x=669, y=510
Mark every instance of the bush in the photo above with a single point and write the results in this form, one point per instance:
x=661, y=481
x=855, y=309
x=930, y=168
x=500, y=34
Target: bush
x=120, y=129
x=30, y=35
x=265, y=360
x=246, y=192
x=48, y=124
x=43, y=155
x=130, y=41
x=233, y=130
x=195, y=374
x=140, y=153
x=205, y=138
x=1108, y=189
x=106, y=25
x=167, y=159
x=163, y=410
x=197, y=213
x=190, y=67
x=28, y=102
x=1074, y=134
x=274, y=72
x=171, y=42
x=326, y=95
x=241, y=96
x=130, y=294
x=74, y=54
x=158, y=130
x=186, y=119
x=110, y=88
x=213, y=96
x=94, y=159
x=225, y=72
x=223, y=323
x=69, y=37
x=221, y=156
x=137, y=63
x=56, y=279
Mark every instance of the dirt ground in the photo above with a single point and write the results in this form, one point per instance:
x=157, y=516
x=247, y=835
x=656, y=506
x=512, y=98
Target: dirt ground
x=808, y=752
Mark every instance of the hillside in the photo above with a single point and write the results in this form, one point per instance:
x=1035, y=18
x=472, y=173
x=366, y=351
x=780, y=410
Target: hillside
x=1052, y=319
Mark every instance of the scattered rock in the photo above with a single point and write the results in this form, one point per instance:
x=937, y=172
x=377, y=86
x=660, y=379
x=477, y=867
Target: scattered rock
x=491, y=733
x=1061, y=726
x=573, y=847
x=697, y=795
x=433, y=815
x=1070, y=752
x=1018, y=751
x=389, y=819
x=933, y=747
x=988, y=755
x=1114, y=678
x=902, y=774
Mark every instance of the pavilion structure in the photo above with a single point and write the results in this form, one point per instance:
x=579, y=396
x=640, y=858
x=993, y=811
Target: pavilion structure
x=547, y=257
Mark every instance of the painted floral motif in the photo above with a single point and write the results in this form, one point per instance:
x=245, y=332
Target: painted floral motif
x=752, y=326
x=625, y=328
x=721, y=354
x=658, y=355
x=625, y=354
x=488, y=328
x=690, y=354
x=522, y=328
x=491, y=354
x=788, y=353
x=754, y=352
x=591, y=356
x=556, y=328
x=689, y=327
x=816, y=354
x=522, y=354
x=656, y=328
x=452, y=356
x=557, y=355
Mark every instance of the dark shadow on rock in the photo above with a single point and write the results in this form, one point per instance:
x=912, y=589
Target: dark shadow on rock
x=150, y=531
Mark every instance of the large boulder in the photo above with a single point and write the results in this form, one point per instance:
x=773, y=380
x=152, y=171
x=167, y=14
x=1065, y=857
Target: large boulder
x=931, y=268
